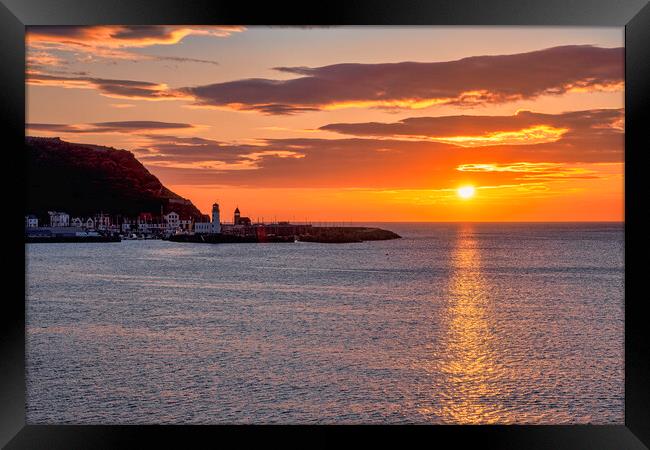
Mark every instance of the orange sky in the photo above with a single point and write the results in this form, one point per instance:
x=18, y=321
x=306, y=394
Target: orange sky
x=349, y=123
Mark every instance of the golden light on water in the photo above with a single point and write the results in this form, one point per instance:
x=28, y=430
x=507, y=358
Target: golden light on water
x=470, y=368
x=466, y=192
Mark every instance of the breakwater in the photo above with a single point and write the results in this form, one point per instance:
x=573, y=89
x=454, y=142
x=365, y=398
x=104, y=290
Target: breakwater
x=330, y=235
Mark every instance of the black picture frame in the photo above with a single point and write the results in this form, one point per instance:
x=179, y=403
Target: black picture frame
x=633, y=14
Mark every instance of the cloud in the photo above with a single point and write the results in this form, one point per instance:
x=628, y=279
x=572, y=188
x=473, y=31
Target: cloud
x=113, y=42
x=533, y=171
x=129, y=89
x=134, y=126
x=183, y=59
x=524, y=127
x=472, y=81
x=175, y=152
x=38, y=59
x=475, y=81
x=121, y=36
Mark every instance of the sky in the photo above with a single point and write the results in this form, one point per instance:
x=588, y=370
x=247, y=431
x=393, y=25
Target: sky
x=349, y=124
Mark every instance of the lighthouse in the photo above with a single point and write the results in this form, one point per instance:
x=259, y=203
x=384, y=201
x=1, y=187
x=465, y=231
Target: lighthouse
x=237, y=216
x=216, y=220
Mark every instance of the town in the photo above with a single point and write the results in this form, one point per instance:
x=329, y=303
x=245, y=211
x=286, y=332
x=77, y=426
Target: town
x=106, y=228
x=149, y=226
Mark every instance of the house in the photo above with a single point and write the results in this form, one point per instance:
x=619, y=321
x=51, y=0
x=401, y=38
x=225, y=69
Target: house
x=146, y=223
x=202, y=227
x=185, y=224
x=59, y=219
x=172, y=221
x=102, y=221
x=31, y=221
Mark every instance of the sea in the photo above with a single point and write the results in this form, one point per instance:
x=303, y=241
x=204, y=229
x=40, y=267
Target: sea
x=455, y=323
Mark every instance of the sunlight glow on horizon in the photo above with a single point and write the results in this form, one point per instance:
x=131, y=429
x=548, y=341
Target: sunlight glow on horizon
x=466, y=192
x=368, y=124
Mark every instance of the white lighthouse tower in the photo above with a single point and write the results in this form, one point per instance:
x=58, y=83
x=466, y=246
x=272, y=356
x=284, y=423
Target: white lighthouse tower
x=216, y=220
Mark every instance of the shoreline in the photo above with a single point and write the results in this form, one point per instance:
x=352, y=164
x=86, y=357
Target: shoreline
x=70, y=239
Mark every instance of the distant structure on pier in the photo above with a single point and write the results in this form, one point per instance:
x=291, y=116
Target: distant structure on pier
x=239, y=220
x=216, y=220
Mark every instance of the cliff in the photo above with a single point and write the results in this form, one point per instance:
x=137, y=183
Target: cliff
x=85, y=179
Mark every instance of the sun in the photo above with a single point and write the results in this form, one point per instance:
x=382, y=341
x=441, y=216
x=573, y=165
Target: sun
x=466, y=192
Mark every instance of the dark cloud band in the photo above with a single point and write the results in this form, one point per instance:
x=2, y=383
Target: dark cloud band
x=465, y=82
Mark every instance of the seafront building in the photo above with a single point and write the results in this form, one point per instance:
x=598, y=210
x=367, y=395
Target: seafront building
x=31, y=221
x=147, y=224
x=173, y=221
x=202, y=227
x=59, y=219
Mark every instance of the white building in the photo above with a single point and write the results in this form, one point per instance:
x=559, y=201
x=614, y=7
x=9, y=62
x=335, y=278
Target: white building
x=185, y=225
x=202, y=227
x=172, y=221
x=102, y=221
x=59, y=219
x=152, y=227
x=216, y=220
x=31, y=221
x=88, y=224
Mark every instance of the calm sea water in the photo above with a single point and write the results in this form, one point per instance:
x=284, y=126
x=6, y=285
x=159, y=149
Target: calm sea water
x=454, y=323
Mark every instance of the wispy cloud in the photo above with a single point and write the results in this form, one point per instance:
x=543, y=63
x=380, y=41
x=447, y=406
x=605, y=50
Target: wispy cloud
x=83, y=38
x=536, y=171
x=134, y=126
x=183, y=59
x=164, y=151
x=128, y=89
x=56, y=45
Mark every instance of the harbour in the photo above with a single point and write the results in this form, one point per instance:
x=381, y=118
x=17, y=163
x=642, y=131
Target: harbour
x=172, y=227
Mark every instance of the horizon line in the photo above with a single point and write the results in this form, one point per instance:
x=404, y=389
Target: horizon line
x=462, y=221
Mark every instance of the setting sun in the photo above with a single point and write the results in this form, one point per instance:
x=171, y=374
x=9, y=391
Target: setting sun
x=466, y=192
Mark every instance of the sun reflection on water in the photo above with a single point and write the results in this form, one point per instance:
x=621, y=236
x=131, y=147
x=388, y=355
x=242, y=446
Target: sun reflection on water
x=469, y=364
